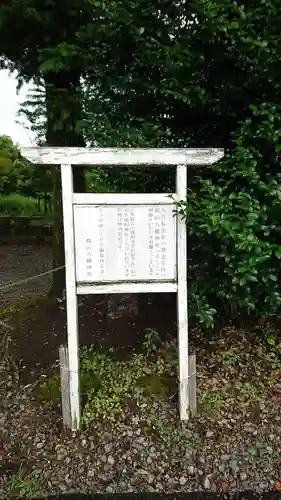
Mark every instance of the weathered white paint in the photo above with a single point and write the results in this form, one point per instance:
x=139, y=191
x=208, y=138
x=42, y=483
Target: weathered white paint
x=71, y=297
x=127, y=156
x=65, y=391
x=125, y=243
x=77, y=232
x=97, y=288
x=192, y=385
x=123, y=199
x=181, y=188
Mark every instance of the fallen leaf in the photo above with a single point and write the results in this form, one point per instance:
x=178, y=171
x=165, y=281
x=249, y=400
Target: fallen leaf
x=277, y=486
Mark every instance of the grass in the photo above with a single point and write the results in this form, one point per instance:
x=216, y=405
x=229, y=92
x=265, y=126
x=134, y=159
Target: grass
x=24, y=484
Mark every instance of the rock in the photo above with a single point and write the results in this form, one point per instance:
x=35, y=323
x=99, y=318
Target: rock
x=206, y=483
x=209, y=434
x=234, y=466
x=213, y=487
x=150, y=478
x=243, y=476
x=191, y=470
x=149, y=460
x=39, y=445
x=183, y=481
x=110, y=460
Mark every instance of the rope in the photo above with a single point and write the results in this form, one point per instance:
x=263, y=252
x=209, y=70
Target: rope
x=21, y=282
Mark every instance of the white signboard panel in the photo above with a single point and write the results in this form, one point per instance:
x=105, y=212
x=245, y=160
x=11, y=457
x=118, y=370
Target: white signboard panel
x=125, y=243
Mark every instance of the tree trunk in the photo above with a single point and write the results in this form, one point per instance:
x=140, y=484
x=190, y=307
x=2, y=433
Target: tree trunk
x=64, y=110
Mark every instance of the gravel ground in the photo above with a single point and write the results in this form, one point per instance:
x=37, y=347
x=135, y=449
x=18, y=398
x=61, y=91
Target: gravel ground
x=232, y=445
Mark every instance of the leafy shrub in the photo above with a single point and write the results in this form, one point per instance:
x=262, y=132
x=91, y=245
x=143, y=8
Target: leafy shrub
x=233, y=221
x=16, y=204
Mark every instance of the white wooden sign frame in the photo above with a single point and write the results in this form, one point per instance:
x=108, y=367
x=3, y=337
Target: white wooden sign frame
x=67, y=157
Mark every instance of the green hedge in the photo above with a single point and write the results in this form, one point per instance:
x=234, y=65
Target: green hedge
x=16, y=204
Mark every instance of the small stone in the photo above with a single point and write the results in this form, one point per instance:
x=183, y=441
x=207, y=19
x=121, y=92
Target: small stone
x=209, y=434
x=191, y=470
x=206, y=483
x=110, y=460
x=213, y=487
x=149, y=460
x=182, y=481
x=150, y=478
x=234, y=466
x=40, y=445
x=243, y=476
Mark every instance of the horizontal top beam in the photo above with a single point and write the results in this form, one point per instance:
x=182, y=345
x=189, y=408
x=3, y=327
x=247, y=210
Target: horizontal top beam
x=118, y=156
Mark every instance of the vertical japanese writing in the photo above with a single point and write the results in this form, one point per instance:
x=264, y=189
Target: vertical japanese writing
x=120, y=228
x=127, y=241
x=89, y=262
x=132, y=243
x=101, y=243
x=150, y=241
x=157, y=237
x=163, y=234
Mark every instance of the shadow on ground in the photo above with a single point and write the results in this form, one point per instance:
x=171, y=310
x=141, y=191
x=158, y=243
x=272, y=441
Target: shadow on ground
x=246, y=495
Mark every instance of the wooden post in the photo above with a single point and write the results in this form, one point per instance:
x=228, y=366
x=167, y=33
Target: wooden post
x=65, y=392
x=71, y=296
x=81, y=282
x=181, y=187
x=192, y=385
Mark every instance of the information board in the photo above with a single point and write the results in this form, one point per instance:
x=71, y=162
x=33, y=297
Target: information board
x=125, y=243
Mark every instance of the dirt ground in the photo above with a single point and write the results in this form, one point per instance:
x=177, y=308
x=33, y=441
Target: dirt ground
x=40, y=323
x=19, y=262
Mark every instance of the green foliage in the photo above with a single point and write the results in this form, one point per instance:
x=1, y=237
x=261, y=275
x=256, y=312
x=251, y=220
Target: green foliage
x=143, y=377
x=16, y=204
x=49, y=391
x=25, y=188
x=233, y=224
x=151, y=342
x=179, y=75
x=135, y=379
x=275, y=347
x=25, y=485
